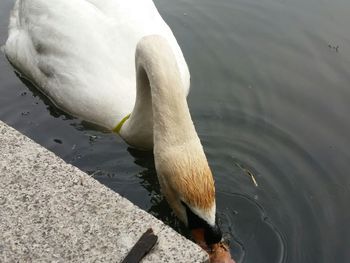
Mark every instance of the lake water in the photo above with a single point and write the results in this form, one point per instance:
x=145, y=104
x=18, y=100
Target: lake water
x=270, y=97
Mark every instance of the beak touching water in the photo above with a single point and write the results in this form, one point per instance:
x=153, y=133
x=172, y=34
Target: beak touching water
x=218, y=252
x=208, y=237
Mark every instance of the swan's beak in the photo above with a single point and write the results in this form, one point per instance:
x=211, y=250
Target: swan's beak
x=218, y=253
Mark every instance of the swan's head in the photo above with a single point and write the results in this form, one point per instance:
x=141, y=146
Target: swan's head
x=187, y=183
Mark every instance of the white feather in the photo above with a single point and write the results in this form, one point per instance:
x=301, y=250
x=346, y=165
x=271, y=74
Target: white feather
x=81, y=53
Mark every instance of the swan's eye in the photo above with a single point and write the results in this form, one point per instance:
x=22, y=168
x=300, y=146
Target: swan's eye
x=193, y=220
x=212, y=234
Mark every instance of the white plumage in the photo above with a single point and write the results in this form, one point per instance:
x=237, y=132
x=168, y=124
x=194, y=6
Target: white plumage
x=81, y=53
x=103, y=59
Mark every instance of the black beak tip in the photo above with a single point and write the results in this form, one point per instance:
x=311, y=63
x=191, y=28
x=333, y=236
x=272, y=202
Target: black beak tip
x=213, y=235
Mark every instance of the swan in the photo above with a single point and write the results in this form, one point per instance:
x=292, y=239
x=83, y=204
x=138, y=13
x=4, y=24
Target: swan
x=117, y=64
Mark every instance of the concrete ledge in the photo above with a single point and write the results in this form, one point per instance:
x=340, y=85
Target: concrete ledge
x=51, y=211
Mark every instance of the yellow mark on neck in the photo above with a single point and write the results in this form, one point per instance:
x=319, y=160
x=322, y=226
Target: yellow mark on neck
x=120, y=124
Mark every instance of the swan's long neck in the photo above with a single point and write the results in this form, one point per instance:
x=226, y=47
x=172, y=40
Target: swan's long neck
x=160, y=114
x=161, y=110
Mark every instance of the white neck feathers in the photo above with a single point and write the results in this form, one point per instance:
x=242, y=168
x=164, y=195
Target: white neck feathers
x=160, y=99
x=181, y=165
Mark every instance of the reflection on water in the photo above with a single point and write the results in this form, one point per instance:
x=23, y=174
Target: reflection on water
x=270, y=100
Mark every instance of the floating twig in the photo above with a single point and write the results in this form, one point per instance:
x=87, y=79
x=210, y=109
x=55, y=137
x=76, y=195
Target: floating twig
x=248, y=173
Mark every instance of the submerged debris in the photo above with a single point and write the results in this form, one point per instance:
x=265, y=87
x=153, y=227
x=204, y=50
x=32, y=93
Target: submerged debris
x=247, y=173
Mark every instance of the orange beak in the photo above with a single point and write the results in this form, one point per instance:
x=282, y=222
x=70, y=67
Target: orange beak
x=218, y=253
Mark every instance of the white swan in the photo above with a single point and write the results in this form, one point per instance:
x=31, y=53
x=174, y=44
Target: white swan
x=90, y=57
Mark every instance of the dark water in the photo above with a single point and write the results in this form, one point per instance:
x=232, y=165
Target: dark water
x=270, y=99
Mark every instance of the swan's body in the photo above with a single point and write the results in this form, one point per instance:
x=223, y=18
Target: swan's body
x=81, y=53
x=91, y=56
